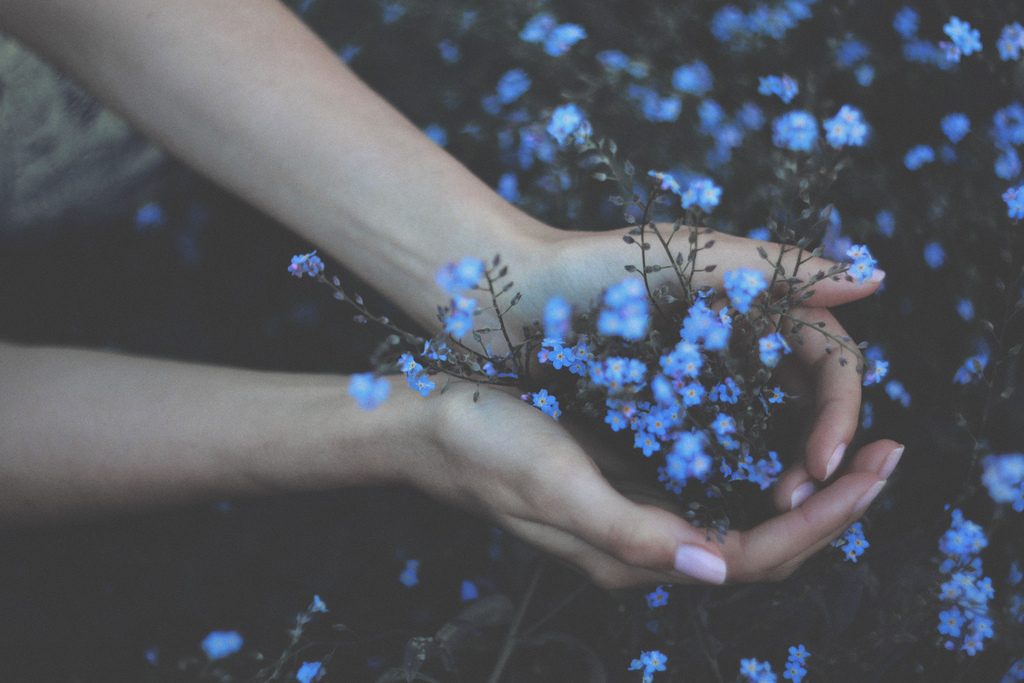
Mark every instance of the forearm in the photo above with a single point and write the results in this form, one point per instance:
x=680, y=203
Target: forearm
x=84, y=431
x=244, y=92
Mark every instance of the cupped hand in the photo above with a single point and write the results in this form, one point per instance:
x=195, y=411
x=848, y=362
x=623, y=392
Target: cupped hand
x=504, y=458
x=579, y=265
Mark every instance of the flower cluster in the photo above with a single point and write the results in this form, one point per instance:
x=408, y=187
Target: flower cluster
x=796, y=131
x=965, y=623
x=625, y=311
x=1003, y=476
x=306, y=264
x=784, y=87
x=649, y=663
x=556, y=38
x=755, y=671
x=847, y=128
x=963, y=39
x=852, y=543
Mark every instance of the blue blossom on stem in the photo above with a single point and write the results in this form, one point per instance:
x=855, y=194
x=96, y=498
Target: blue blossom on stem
x=1003, y=476
x=657, y=598
x=796, y=131
x=702, y=193
x=306, y=264
x=905, y=22
x=512, y=85
x=563, y=37
x=410, y=574
x=782, y=86
x=368, y=391
x=847, y=128
x=309, y=672
x=918, y=156
x=666, y=182
x=1014, y=198
x=742, y=286
x=568, y=121
x=772, y=348
x=965, y=39
x=459, y=319
x=625, y=310
x=863, y=266
x=649, y=663
x=1011, y=41
x=457, y=277
x=796, y=664
x=875, y=371
x=694, y=78
x=852, y=543
x=557, y=318
x=972, y=370
x=956, y=126
x=221, y=644
x=545, y=402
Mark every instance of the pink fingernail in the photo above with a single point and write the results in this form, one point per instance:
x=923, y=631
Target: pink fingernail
x=877, y=276
x=835, y=459
x=890, y=463
x=800, y=494
x=698, y=563
x=869, y=496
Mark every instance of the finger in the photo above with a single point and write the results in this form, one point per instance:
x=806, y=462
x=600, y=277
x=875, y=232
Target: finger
x=834, y=369
x=730, y=252
x=581, y=502
x=796, y=485
x=603, y=569
x=754, y=555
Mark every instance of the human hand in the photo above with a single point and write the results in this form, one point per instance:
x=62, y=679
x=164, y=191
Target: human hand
x=579, y=265
x=536, y=478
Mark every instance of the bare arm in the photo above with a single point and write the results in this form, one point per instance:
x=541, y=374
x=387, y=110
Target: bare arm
x=245, y=93
x=85, y=431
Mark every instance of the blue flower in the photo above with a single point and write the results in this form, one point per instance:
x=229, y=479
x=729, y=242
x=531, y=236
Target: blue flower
x=1008, y=125
x=563, y=37
x=1014, y=198
x=410, y=575
x=796, y=131
x=886, y=223
x=965, y=39
x=557, y=318
x=649, y=663
x=694, y=78
x=450, y=52
x=368, y=391
x=972, y=370
x=897, y=392
x=309, y=672
x=666, y=182
x=468, y=591
x=220, y=644
x=875, y=371
x=750, y=116
x=613, y=60
x=537, y=28
x=436, y=133
x=1003, y=476
x=150, y=216
x=701, y=192
x=1011, y=41
x=512, y=85
x=457, y=277
x=918, y=156
x=852, y=543
x=420, y=383
x=956, y=126
x=546, y=403
x=625, y=311
x=725, y=392
x=646, y=442
x=306, y=264
x=742, y=286
x=905, y=22
x=683, y=361
x=863, y=266
x=508, y=187
x=318, y=605
x=772, y=348
x=934, y=255
x=784, y=87
x=459, y=320
x=850, y=51
x=657, y=598
x=568, y=122
x=1007, y=165
x=846, y=128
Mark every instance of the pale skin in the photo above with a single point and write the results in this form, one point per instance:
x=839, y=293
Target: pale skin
x=245, y=93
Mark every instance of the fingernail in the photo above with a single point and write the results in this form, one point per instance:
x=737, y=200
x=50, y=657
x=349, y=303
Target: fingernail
x=890, y=463
x=877, y=276
x=833, y=462
x=800, y=494
x=700, y=564
x=869, y=496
